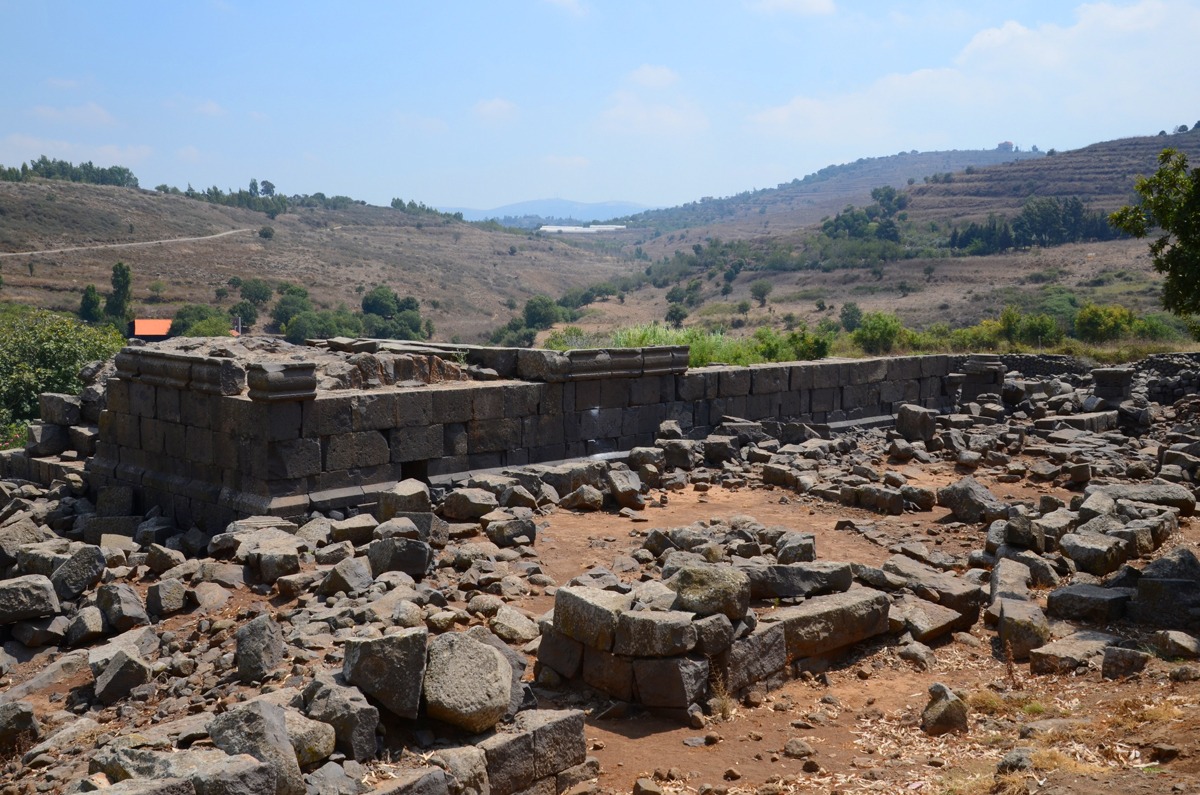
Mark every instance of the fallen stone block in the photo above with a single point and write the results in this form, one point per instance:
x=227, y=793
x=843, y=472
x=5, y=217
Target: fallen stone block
x=1065, y=655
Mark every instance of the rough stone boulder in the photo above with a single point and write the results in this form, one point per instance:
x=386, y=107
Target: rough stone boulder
x=31, y=596
x=407, y=496
x=826, y=623
x=1171, y=495
x=345, y=709
x=970, y=501
x=915, y=423
x=467, y=683
x=589, y=615
x=390, y=669
x=468, y=504
x=260, y=648
x=18, y=724
x=706, y=590
x=944, y=713
x=259, y=729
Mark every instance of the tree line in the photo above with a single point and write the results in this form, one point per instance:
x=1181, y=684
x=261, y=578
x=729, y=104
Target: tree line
x=89, y=173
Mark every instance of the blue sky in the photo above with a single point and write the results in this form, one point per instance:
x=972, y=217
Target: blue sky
x=480, y=104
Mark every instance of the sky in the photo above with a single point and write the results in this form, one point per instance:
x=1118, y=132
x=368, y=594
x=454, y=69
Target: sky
x=485, y=103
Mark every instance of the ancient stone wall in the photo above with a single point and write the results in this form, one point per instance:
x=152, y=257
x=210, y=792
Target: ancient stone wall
x=211, y=438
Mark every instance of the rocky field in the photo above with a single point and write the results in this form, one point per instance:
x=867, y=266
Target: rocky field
x=1006, y=599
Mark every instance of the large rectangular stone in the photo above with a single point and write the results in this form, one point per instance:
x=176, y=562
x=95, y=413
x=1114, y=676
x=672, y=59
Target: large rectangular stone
x=558, y=739
x=760, y=655
x=327, y=415
x=590, y=615
x=608, y=673
x=421, y=443
x=671, y=683
x=734, y=382
x=826, y=623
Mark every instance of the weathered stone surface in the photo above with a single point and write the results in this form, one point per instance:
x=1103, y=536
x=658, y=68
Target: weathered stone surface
x=345, y=709
x=915, y=423
x=389, y=669
x=418, y=781
x=952, y=592
x=944, y=713
x=1064, y=656
x=349, y=576
x=408, y=555
x=653, y=633
x=589, y=615
x=1023, y=627
x=407, y=496
x=970, y=501
x=468, y=504
x=18, y=725
x=1094, y=553
x=1119, y=663
x=1169, y=494
x=924, y=620
x=563, y=654
x=260, y=648
x=707, y=589
x=1173, y=644
x=208, y=772
x=123, y=672
x=80, y=572
x=824, y=623
x=584, y=498
x=626, y=488
x=608, y=673
x=1086, y=602
x=30, y=596
x=122, y=606
x=512, y=626
x=259, y=729
x=673, y=683
x=467, y=683
x=312, y=740
x=797, y=579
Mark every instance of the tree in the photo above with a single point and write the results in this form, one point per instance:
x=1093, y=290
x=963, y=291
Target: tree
x=851, y=316
x=266, y=188
x=247, y=311
x=117, y=306
x=89, y=305
x=190, y=316
x=43, y=351
x=760, y=289
x=253, y=187
x=541, y=312
x=1170, y=202
x=256, y=291
x=380, y=301
x=676, y=314
x=157, y=288
x=288, y=306
x=267, y=232
x=878, y=332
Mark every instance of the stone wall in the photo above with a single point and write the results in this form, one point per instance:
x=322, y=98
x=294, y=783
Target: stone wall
x=211, y=438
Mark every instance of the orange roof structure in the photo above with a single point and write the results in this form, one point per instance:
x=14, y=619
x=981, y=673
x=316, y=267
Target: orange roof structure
x=151, y=327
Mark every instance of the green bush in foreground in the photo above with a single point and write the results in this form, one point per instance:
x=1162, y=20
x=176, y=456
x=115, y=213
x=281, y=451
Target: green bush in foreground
x=42, y=351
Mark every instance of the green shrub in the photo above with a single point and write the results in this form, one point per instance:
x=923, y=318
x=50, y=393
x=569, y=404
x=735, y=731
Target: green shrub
x=42, y=351
x=1103, y=323
x=878, y=332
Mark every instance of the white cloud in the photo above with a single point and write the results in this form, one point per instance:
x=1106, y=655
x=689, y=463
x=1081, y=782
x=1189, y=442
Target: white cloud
x=18, y=148
x=566, y=162
x=1118, y=64
x=188, y=153
x=806, y=7
x=209, y=107
x=495, y=110
x=630, y=113
x=89, y=114
x=650, y=76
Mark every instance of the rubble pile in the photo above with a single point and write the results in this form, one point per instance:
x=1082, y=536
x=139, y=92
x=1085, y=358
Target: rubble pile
x=382, y=648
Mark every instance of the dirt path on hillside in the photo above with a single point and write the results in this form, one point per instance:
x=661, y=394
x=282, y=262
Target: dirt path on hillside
x=123, y=245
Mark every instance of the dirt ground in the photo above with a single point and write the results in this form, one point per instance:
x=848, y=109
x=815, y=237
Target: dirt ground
x=862, y=716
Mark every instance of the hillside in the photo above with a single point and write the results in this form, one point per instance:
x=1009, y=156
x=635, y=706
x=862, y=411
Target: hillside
x=463, y=275
x=925, y=290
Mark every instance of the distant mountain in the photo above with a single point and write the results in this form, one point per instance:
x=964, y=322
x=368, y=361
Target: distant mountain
x=553, y=209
